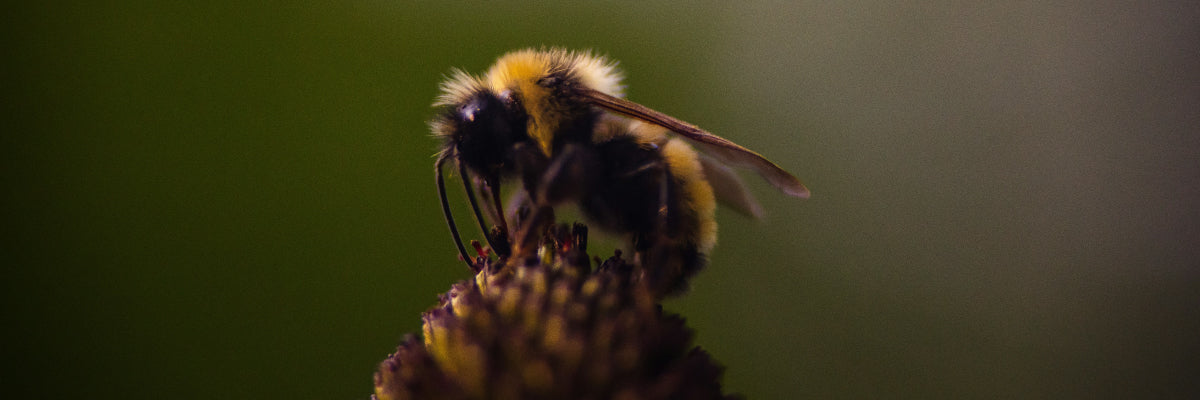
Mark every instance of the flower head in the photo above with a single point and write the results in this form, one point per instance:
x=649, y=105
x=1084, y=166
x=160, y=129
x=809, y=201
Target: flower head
x=551, y=329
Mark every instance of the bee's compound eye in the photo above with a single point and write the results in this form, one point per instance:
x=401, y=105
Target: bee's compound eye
x=507, y=97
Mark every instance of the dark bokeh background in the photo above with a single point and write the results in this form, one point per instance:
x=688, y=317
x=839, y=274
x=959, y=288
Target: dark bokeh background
x=221, y=200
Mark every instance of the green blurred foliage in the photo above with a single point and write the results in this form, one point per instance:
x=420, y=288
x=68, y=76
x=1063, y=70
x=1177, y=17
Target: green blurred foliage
x=230, y=200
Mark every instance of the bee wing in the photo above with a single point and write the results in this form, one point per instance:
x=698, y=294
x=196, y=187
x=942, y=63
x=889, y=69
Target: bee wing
x=725, y=150
x=728, y=187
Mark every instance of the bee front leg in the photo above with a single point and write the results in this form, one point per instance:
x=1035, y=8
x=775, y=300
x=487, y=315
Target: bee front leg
x=497, y=240
x=533, y=216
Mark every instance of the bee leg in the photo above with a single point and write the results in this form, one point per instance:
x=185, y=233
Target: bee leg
x=441, y=185
x=564, y=178
x=485, y=200
x=662, y=200
x=494, y=185
x=664, y=185
x=529, y=163
x=469, y=185
x=529, y=217
x=489, y=190
x=662, y=266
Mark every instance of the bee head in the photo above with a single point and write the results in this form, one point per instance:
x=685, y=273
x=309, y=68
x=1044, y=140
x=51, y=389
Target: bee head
x=527, y=97
x=484, y=129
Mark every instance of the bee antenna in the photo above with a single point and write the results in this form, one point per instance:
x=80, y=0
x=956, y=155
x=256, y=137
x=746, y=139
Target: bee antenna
x=441, y=185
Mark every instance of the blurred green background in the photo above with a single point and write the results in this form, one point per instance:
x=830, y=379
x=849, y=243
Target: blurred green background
x=229, y=200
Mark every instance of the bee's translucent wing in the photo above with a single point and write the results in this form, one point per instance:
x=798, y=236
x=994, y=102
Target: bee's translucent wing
x=728, y=187
x=723, y=149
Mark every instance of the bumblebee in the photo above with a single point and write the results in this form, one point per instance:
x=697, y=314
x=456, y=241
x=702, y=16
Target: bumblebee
x=556, y=122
